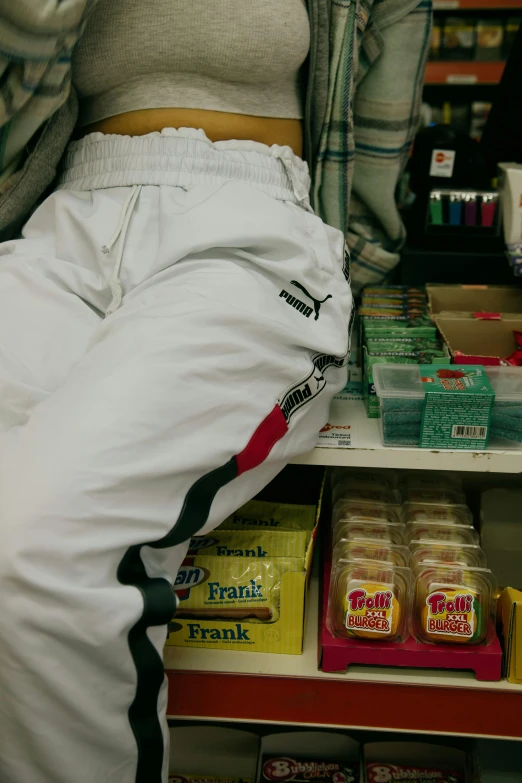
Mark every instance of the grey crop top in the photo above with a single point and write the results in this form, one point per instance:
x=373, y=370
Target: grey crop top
x=238, y=56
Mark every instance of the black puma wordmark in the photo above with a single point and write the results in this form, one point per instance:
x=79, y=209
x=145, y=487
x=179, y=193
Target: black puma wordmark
x=317, y=302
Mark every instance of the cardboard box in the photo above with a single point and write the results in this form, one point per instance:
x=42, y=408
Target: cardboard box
x=318, y=746
x=476, y=341
x=285, y=635
x=509, y=612
x=502, y=300
x=211, y=751
x=386, y=756
x=477, y=322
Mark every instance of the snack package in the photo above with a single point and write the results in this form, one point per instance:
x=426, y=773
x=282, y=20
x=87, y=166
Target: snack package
x=302, y=770
x=435, y=531
x=369, y=600
x=440, y=495
x=231, y=588
x=394, y=554
x=355, y=530
x=363, y=510
x=280, y=516
x=395, y=291
x=431, y=552
x=419, y=351
x=449, y=515
x=452, y=604
x=377, y=328
x=206, y=779
x=260, y=543
x=394, y=773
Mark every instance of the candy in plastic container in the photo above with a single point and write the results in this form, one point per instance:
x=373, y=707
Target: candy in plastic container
x=464, y=555
x=440, y=495
x=435, y=531
x=419, y=479
x=452, y=604
x=422, y=512
x=360, y=509
x=344, y=479
x=369, y=600
x=367, y=494
x=394, y=554
x=355, y=530
x=386, y=477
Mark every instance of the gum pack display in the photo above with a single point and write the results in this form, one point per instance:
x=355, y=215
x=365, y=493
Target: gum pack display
x=277, y=768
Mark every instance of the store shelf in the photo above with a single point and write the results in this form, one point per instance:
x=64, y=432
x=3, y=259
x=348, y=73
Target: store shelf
x=476, y=5
x=457, y=72
x=369, y=451
x=259, y=687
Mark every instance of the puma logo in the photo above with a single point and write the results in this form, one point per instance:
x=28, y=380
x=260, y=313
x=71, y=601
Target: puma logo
x=317, y=302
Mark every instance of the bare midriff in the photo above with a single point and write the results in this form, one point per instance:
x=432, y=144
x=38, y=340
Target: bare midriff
x=218, y=126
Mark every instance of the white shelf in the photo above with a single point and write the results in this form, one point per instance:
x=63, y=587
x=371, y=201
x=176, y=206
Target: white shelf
x=305, y=665
x=368, y=450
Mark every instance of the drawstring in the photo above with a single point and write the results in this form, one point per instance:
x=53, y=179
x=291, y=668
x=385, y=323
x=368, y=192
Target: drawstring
x=121, y=229
x=300, y=191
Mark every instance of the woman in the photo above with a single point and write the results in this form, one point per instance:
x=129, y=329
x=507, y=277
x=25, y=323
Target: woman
x=175, y=323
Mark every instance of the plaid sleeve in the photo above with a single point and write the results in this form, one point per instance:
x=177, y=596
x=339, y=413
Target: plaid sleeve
x=386, y=117
x=36, y=43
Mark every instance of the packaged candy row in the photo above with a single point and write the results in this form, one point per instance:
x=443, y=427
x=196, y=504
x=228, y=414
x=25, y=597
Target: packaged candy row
x=382, y=495
x=235, y=571
x=437, y=602
x=399, y=306
x=415, y=568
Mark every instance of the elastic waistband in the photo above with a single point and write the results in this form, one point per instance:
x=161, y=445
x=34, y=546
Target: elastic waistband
x=182, y=157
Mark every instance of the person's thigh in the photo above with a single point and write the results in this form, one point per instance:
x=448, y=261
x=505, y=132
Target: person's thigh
x=190, y=399
x=53, y=289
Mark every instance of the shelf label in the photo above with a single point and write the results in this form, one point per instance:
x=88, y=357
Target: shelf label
x=461, y=78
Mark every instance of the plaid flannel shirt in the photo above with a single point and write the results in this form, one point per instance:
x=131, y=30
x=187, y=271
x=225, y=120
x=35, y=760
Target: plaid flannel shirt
x=377, y=63
x=372, y=72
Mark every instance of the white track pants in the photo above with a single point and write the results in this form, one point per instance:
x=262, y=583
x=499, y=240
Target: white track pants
x=173, y=326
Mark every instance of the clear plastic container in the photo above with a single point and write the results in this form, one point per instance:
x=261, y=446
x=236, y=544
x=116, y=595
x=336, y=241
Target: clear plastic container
x=367, y=494
x=506, y=415
x=430, y=552
x=360, y=509
x=380, y=478
x=452, y=605
x=369, y=600
x=435, y=496
x=354, y=530
x=435, y=531
x=394, y=554
x=429, y=479
x=401, y=395
x=429, y=512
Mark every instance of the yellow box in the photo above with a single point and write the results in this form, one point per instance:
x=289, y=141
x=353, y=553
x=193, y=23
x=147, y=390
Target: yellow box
x=285, y=635
x=510, y=617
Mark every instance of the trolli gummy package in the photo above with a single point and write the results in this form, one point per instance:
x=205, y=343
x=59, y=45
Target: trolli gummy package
x=452, y=604
x=369, y=600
